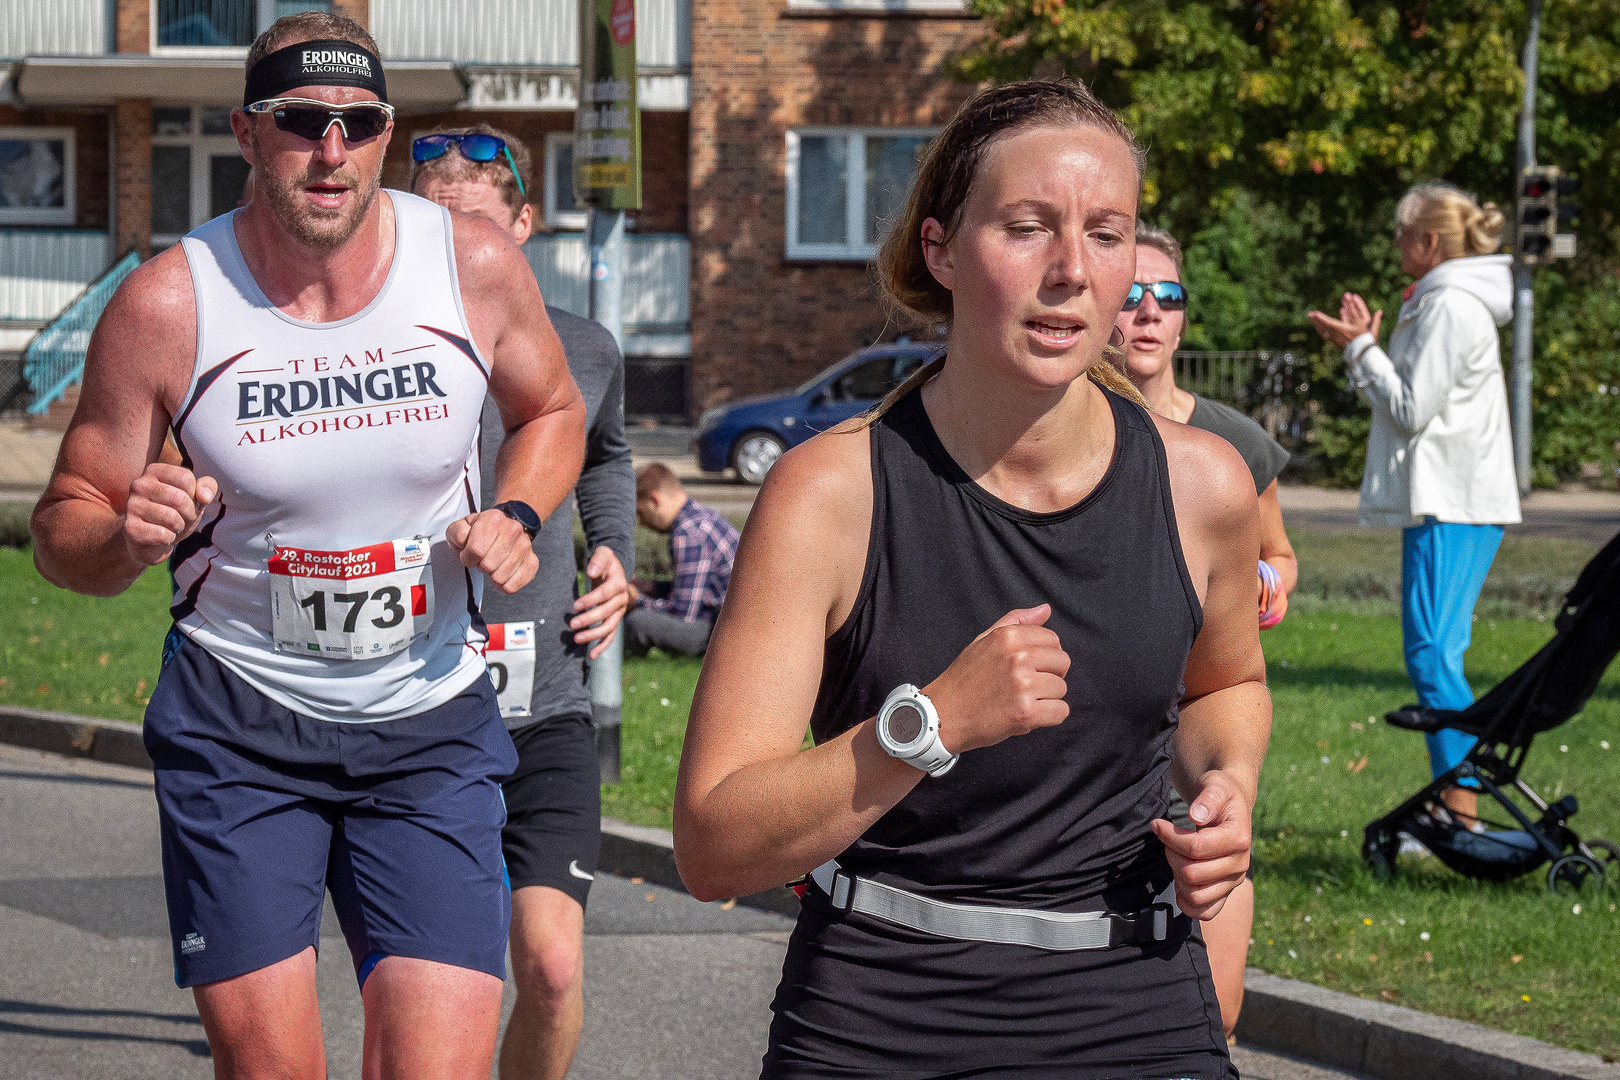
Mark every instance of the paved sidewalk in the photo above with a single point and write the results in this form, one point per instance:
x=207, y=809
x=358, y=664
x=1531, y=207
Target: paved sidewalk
x=674, y=989
x=26, y=458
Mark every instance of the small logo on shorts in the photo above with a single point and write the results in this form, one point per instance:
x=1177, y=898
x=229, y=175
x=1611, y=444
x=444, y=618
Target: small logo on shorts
x=192, y=943
x=573, y=868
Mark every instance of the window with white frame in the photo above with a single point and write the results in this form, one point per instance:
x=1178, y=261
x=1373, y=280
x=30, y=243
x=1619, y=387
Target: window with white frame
x=197, y=168
x=561, y=210
x=223, y=27
x=36, y=175
x=845, y=187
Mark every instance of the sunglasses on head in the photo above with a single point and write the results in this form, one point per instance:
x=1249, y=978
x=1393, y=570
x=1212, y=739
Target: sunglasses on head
x=1169, y=295
x=479, y=148
x=311, y=120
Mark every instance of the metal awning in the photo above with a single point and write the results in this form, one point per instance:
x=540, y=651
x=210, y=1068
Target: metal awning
x=413, y=85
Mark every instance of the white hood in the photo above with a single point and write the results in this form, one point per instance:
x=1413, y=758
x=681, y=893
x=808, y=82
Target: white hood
x=1488, y=277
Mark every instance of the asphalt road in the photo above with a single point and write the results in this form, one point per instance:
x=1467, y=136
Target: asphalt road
x=674, y=988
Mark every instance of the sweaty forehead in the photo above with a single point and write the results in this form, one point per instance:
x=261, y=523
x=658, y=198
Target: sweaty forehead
x=1060, y=163
x=467, y=195
x=332, y=95
x=1154, y=265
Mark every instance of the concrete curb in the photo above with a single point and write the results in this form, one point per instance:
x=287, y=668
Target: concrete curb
x=1391, y=1042
x=648, y=853
x=1373, y=1038
x=111, y=741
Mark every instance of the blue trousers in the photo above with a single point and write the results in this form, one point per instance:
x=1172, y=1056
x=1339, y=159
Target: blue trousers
x=1443, y=568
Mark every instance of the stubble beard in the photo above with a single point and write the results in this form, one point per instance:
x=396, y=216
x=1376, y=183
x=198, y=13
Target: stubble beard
x=312, y=225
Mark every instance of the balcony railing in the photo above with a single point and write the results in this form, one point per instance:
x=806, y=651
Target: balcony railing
x=42, y=270
x=543, y=33
x=54, y=28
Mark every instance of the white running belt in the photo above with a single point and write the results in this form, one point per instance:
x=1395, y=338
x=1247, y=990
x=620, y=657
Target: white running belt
x=1058, y=931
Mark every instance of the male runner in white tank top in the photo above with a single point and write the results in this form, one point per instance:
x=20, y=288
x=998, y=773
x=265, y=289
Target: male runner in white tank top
x=323, y=720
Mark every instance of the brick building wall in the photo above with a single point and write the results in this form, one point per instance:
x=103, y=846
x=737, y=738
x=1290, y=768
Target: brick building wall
x=761, y=322
x=132, y=119
x=664, y=181
x=133, y=26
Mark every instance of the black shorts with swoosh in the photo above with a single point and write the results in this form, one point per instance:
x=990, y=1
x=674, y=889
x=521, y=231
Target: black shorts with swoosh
x=553, y=831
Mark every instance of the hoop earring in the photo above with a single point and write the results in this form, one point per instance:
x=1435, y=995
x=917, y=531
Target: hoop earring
x=1116, y=340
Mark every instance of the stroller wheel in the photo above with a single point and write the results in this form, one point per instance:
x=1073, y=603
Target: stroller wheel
x=1607, y=853
x=1573, y=873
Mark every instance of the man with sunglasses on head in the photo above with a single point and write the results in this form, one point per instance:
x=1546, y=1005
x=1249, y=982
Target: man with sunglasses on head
x=554, y=799
x=324, y=719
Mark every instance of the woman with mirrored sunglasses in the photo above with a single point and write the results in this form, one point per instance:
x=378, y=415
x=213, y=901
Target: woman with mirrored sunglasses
x=1153, y=320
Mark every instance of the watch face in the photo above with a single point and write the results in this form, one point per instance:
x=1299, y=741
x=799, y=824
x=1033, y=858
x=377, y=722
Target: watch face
x=905, y=724
x=522, y=513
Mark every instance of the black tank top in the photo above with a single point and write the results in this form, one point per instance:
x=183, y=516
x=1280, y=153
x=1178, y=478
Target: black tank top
x=1056, y=818
x=1060, y=815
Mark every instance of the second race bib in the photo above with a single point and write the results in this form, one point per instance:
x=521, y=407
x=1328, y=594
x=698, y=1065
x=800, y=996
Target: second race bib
x=510, y=655
x=351, y=605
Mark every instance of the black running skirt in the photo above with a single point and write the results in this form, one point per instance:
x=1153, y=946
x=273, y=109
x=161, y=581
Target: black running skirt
x=861, y=997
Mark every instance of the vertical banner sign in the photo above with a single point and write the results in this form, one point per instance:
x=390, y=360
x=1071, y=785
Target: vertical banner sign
x=607, y=124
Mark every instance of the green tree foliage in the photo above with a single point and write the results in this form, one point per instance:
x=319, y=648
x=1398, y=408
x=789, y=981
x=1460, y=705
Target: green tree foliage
x=1281, y=133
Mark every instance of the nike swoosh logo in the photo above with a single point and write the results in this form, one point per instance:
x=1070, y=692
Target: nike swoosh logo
x=573, y=868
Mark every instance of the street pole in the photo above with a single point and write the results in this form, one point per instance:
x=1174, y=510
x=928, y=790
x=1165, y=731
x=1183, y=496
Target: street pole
x=607, y=178
x=1524, y=306
x=607, y=296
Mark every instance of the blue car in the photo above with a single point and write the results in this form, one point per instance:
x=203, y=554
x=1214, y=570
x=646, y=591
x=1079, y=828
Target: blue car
x=749, y=435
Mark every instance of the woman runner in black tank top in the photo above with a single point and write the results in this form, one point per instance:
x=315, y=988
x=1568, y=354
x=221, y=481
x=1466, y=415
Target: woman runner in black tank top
x=1068, y=579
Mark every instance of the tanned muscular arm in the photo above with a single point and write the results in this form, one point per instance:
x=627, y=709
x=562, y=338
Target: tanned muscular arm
x=114, y=506
x=541, y=408
x=1226, y=713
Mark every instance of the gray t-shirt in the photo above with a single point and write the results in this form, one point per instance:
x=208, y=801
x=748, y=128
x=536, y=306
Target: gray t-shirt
x=606, y=494
x=1264, y=456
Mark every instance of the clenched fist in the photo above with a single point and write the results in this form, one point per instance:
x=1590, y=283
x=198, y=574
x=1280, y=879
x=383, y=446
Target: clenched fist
x=494, y=543
x=1213, y=860
x=1008, y=681
x=165, y=504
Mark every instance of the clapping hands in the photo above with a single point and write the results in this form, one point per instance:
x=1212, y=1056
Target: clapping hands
x=1353, y=321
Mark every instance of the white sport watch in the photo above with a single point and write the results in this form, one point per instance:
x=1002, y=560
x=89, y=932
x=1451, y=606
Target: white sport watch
x=908, y=729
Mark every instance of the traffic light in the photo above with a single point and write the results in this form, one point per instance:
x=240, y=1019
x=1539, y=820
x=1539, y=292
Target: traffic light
x=1544, y=207
x=1538, y=214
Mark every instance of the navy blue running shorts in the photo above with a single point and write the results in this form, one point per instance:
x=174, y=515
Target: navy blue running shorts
x=263, y=810
x=553, y=833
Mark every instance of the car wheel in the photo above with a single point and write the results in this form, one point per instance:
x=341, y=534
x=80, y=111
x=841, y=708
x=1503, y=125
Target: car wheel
x=755, y=453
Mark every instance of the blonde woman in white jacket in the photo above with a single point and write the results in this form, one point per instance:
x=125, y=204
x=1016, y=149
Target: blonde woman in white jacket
x=1440, y=453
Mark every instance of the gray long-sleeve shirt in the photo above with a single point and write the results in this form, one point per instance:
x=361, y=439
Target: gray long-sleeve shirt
x=606, y=494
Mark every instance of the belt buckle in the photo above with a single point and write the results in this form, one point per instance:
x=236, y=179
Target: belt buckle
x=845, y=882
x=1161, y=914
x=1150, y=925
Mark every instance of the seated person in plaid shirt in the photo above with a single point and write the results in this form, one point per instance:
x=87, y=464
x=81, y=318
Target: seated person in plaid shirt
x=678, y=617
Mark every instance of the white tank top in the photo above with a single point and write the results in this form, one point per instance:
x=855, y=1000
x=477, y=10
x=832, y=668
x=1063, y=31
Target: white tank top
x=343, y=450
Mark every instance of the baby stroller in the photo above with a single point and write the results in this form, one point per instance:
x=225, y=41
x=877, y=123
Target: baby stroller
x=1545, y=691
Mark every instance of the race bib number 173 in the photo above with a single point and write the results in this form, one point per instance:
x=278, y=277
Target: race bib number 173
x=351, y=605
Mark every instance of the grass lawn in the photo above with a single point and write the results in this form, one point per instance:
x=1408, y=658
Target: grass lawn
x=1509, y=956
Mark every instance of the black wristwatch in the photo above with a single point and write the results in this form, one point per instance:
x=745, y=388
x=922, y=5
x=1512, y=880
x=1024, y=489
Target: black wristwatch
x=522, y=513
